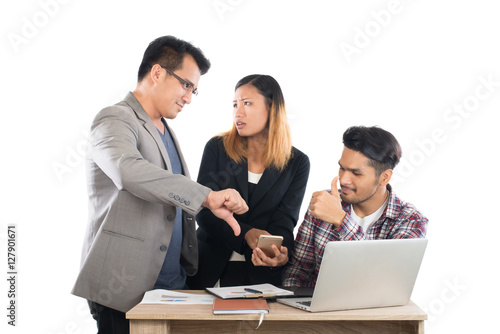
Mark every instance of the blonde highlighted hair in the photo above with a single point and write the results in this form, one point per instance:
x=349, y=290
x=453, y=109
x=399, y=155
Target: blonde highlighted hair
x=278, y=149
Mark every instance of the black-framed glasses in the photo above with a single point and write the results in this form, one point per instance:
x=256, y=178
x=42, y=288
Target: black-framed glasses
x=186, y=84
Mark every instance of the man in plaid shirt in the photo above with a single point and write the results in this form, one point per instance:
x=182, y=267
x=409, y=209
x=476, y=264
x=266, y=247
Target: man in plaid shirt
x=364, y=208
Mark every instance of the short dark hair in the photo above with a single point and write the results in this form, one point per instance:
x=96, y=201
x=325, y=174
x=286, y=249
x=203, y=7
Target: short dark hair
x=378, y=145
x=169, y=52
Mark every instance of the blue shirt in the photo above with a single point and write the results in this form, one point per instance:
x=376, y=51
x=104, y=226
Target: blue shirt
x=172, y=276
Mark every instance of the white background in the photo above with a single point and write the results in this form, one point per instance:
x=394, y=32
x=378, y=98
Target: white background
x=411, y=65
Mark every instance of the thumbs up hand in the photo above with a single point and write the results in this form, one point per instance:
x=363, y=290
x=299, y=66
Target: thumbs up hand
x=327, y=206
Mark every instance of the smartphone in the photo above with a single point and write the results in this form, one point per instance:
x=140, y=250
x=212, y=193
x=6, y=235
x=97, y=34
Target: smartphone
x=265, y=242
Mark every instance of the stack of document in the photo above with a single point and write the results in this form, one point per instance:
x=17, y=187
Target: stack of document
x=160, y=296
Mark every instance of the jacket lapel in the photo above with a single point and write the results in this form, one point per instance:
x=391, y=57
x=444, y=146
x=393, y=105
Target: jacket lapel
x=268, y=179
x=240, y=172
x=179, y=152
x=149, y=126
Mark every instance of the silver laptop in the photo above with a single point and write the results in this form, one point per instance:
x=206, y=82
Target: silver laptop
x=364, y=274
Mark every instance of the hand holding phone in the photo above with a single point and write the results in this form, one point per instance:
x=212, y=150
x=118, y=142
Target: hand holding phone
x=265, y=242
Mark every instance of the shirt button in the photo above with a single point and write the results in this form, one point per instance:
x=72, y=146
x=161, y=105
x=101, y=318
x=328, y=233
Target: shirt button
x=163, y=248
x=187, y=203
x=171, y=195
x=176, y=197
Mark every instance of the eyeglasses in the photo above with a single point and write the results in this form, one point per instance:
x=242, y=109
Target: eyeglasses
x=189, y=87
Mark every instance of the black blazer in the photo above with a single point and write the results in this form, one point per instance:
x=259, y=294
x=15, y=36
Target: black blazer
x=274, y=206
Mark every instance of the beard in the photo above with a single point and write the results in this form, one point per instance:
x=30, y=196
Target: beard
x=354, y=198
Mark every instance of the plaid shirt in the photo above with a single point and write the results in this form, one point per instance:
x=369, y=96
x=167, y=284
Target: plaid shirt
x=400, y=220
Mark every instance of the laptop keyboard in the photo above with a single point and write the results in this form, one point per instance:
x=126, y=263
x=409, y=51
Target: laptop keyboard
x=305, y=303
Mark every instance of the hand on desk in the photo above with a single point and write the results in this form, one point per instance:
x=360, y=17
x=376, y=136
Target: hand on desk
x=280, y=257
x=224, y=203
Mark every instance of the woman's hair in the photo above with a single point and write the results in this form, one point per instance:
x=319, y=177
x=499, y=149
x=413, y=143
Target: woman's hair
x=278, y=150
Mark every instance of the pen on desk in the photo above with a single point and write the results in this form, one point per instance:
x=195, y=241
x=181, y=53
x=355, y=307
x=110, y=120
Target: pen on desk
x=252, y=290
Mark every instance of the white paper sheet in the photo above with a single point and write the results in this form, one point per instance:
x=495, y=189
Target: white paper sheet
x=246, y=291
x=160, y=296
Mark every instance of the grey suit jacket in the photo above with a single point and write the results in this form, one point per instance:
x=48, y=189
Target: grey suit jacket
x=132, y=196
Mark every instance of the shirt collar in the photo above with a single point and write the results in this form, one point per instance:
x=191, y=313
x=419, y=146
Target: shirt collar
x=392, y=209
x=393, y=206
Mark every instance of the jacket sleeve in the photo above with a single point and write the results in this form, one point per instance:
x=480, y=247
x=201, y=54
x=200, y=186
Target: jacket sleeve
x=213, y=176
x=114, y=147
x=284, y=219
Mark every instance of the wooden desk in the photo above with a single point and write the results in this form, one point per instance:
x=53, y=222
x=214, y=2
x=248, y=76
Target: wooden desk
x=198, y=319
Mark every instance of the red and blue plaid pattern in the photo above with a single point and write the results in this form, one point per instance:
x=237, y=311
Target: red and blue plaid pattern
x=400, y=220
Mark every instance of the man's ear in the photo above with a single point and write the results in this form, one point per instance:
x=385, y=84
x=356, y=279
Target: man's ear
x=155, y=73
x=385, y=177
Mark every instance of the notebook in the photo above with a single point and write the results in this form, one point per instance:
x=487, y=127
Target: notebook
x=364, y=274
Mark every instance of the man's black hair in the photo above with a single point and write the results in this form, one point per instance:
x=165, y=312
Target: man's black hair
x=169, y=52
x=378, y=145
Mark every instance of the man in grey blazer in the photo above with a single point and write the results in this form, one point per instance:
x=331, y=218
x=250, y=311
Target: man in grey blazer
x=141, y=232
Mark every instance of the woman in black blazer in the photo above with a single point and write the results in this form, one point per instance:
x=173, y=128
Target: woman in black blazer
x=257, y=159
